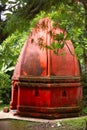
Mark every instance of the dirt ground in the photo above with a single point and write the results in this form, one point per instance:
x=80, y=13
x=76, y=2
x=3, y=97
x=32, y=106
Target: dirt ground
x=55, y=126
x=29, y=125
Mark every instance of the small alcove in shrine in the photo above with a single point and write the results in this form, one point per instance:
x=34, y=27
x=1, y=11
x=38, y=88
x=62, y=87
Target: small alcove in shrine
x=45, y=84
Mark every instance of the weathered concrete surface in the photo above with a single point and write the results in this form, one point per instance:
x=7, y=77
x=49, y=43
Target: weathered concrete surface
x=10, y=116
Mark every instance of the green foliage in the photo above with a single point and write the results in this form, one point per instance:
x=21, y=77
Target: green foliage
x=35, y=20
x=10, y=49
x=15, y=23
x=5, y=87
x=58, y=43
x=72, y=19
x=9, y=52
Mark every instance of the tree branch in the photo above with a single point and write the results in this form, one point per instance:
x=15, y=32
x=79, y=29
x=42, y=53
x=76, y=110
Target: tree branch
x=37, y=7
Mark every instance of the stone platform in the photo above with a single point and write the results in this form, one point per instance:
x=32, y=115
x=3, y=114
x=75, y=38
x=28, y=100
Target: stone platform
x=9, y=115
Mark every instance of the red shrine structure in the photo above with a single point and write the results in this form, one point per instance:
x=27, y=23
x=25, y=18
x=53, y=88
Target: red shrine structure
x=44, y=84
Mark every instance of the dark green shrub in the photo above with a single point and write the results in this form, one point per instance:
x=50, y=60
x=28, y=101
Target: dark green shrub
x=5, y=88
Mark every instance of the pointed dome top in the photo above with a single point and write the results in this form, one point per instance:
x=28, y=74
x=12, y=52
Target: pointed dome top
x=35, y=61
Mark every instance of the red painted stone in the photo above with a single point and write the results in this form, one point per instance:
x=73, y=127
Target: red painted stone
x=46, y=85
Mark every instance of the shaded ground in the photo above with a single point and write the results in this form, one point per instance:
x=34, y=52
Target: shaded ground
x=55, y=126
x=77, y=124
